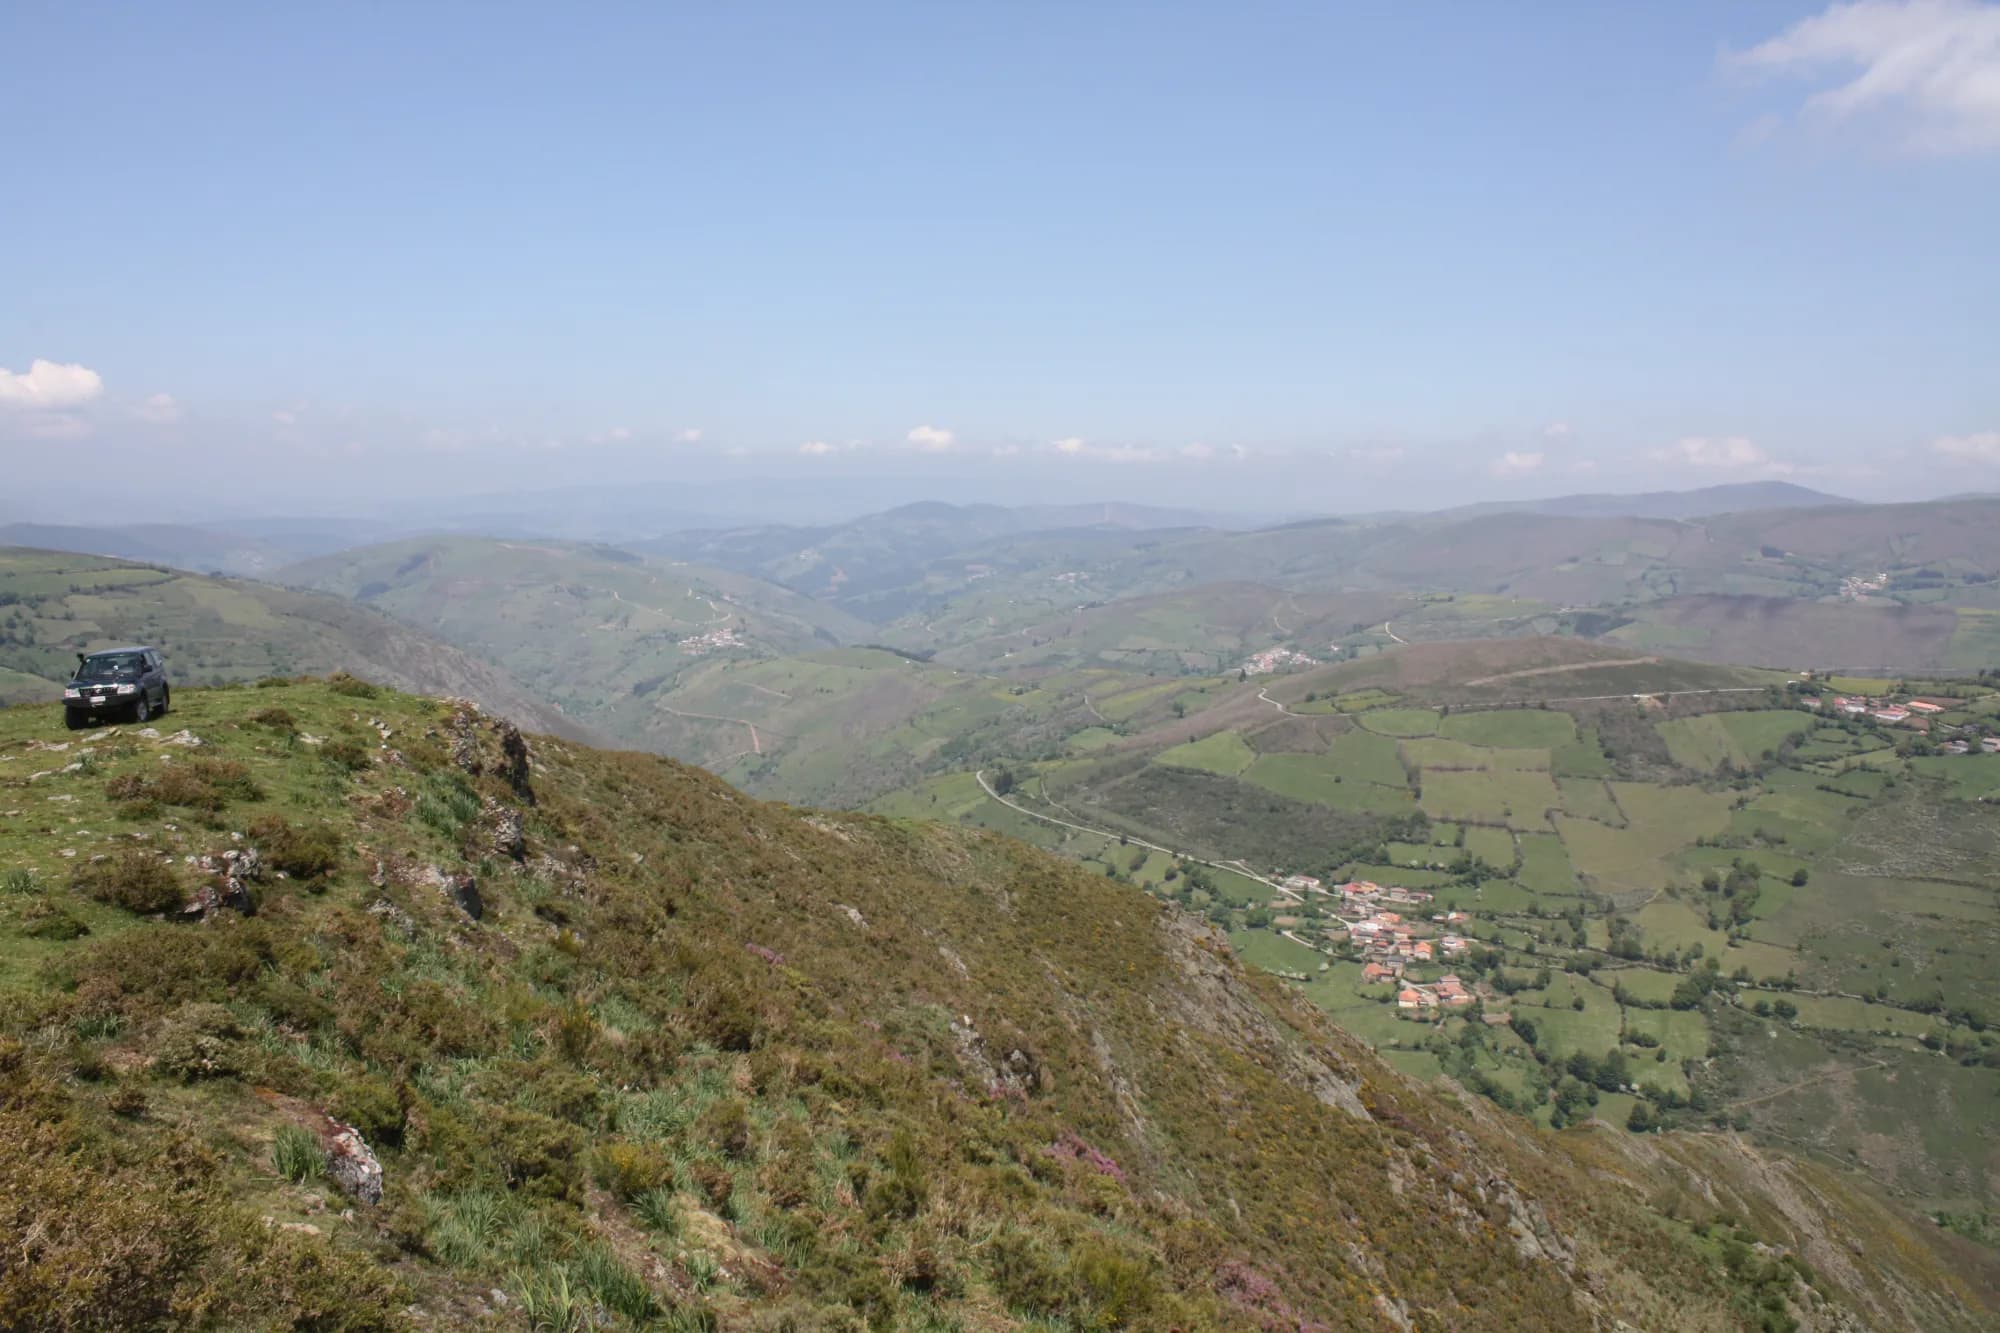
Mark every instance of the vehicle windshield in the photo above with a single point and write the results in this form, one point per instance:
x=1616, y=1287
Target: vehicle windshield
x=111, y=666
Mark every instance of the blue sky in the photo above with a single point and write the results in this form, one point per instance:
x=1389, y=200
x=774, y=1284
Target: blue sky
x=1272, y=255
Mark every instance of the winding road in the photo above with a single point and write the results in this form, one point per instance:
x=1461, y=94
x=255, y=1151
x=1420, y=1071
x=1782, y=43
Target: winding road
x=1236, y=869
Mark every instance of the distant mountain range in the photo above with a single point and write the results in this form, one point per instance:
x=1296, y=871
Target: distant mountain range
x=1703, y=502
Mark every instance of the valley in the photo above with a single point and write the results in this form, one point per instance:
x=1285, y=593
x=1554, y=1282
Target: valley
x=1666, y=866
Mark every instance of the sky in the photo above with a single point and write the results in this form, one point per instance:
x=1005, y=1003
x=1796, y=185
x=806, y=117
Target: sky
x=1285, y=257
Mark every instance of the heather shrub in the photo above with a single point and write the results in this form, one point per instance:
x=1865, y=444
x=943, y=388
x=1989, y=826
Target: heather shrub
x=136, y=881
x=307, y=852
x=199, y=1041
x=351, y=687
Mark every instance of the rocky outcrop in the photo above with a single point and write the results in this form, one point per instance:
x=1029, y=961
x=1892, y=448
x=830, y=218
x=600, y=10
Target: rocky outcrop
x=502, y=832
x=461, y=889
x=225, y=884
x=481, y=745
x=351, y=1164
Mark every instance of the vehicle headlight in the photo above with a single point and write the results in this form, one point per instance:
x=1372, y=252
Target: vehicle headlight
x=128, y=689
x=72, y=693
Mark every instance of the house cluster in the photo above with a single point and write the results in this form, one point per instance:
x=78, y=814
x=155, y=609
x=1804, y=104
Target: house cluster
x=1913, y=713
x=1276, y=659
x=1362, y=895
x=1389, y=942
x=1857, y=586
x=712, y=640
x=1446, y=993
x=1917, y=714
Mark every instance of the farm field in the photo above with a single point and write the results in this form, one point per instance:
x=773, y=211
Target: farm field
x=1319, y=779
x=1519, y=799
x=1224, y=753
x=1599, y=857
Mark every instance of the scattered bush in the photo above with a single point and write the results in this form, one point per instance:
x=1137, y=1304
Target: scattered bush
x=308, y=853
x=725, y=1127
x=198, y=1042
x=277, y=719
x=352, y=687
x=47, y=920
x=136, y=881
x=207, y=785
x=348, y=755
x=632, y=1170
x=19, y=880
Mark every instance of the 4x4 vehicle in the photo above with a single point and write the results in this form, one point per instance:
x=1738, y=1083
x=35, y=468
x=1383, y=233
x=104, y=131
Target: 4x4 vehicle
x=116, y=680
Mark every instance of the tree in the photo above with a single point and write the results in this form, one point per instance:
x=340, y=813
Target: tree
x=1003, y=781
x=1642, y=1119
x=1799, y=878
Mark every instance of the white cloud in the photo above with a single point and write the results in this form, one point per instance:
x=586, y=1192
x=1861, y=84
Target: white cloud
x=1198, y=451
x=1928, y=71
x=159, y=408
x=735, y=451
x=1127, y=453
x=1374, y=455
x=1006, y=450
x=1981, y=447
x=932, y=439
x=1557, y=430
x=817, y=448
x=688, y=435
x=1719, y=453
x=618, y=433
x=1515, y=463
x=1071, y=446
x=285, y=417
x=49, y=386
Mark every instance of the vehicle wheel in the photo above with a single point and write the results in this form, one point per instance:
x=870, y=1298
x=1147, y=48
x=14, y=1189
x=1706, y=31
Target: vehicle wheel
x=74, y=720
x=166, y=698
x=142, y=711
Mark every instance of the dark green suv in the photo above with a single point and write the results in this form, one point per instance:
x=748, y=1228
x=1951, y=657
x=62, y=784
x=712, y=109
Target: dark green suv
x=117, y=680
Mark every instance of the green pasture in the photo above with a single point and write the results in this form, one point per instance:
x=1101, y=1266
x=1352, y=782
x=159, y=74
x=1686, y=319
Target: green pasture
x=1545, y=866
x=1589, y=798
x=1517, y=798
x=1511, y=728
x=1437, y=752
x=1316, y=778
x=1224, y=753
x=1400, y=722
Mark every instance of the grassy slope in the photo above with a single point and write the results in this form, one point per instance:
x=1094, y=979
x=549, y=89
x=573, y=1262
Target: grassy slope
x=704, y=1054
x=53, y=605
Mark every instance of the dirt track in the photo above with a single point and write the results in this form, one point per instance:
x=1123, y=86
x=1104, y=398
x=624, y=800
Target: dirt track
x=1525, y=672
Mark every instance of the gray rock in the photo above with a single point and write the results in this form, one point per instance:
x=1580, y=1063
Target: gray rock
x=351, y=1165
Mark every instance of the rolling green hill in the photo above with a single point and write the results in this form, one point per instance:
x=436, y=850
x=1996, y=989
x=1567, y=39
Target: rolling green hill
x=596, y=630
x=947, y=582
x=479, y=1029
x=1692, y=844
x=54, y=605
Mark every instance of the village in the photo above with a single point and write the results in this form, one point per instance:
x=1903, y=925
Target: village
x=1277, y=659
x=712, y=641
x=1915, y=713
x=1361, y=917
